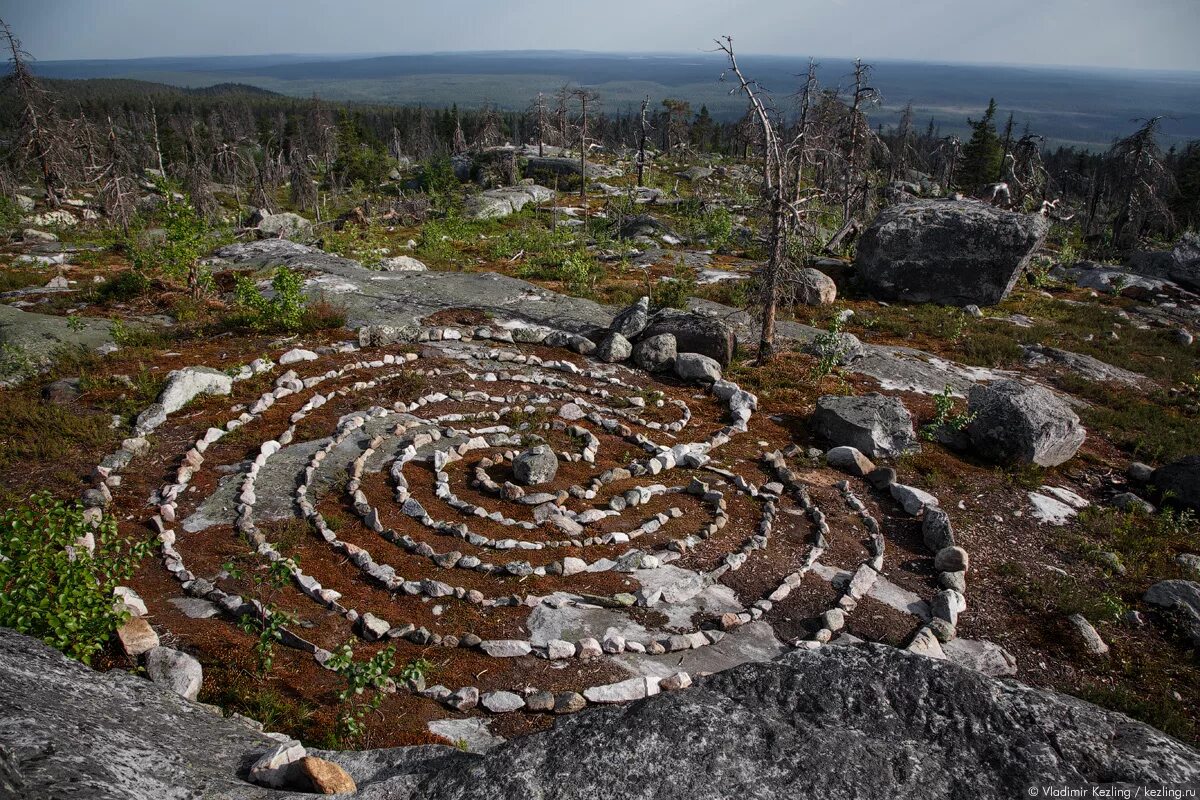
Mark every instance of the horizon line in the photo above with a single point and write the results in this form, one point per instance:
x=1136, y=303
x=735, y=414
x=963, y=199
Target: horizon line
x=368, y=55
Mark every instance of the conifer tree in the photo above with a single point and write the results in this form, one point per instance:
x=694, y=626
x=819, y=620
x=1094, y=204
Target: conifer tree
x=983, y=155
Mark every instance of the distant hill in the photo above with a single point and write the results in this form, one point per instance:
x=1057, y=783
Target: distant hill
x=1082, y=107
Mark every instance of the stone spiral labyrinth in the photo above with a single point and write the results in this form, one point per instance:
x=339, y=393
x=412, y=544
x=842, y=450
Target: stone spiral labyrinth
x=590, y=585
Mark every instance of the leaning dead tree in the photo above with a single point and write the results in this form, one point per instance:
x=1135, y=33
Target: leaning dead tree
x=539, y=114
x=784, y=200
x=43, y=138
x=1140, y=183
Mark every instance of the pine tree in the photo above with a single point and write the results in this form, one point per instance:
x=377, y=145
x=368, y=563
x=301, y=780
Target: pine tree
x=983, y=155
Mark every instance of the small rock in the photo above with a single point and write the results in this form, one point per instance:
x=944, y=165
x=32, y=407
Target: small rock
x=137, y=637
x=318, y=776
x=176, y=671
x=1091, y=639
x=697, y=368
x=951, y=559
x=849, y=459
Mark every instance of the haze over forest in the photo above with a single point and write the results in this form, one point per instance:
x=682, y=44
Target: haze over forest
x=1074, y=106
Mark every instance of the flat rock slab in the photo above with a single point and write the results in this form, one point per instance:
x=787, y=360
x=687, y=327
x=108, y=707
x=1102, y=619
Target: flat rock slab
x=195, y=608
x=472, y=732
x=839, y=716
x=38, y=336
x=753, y=642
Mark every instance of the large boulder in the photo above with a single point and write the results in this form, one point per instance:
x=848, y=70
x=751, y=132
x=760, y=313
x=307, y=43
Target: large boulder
x=285, y=225
x=632, y=320
x=1181, y=602
x=697, y=368
x=838, y=722
x=812, y=287
x=1022, y=423
x=1179, y=481
x=694, y=333
x=946, y=251
x=185, y=384
x=1181, y=264
x=874, y=424
x=535, y=466
x=655, y=353
x=496, y=203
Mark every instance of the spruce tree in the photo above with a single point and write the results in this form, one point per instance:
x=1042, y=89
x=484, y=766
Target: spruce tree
x=983, y=154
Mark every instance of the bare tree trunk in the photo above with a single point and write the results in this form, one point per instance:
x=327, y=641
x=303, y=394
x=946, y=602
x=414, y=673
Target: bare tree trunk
x=641, y=159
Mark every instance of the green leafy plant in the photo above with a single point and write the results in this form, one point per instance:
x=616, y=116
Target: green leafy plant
x=125, y=286
x=75, y=323
x=185, y=240
x=283, y=311
x=268, y=621
x=51, y=587
x=10, y=213
x=830, y=348
x=367, y=245
x=674, y=293
x=944, y=416
x=364, y=683
x=15, y=362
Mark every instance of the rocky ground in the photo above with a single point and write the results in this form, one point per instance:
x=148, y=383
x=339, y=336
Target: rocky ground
x=968, y=470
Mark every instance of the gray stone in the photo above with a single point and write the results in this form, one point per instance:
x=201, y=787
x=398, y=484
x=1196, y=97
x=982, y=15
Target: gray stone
x=814, y=288
x=1179, y=482
x=36, y=339
x=697, y=368
x=912, y=499
x=183, y=385
x=1128, y=501
x=694, y=333
x=936, y=530
x=1180, y=600
x=873, y=424
x=613, y=347
x=842, y=349
x=176, y=671
x=655, y=353
x=70, y=732
x=849, y=459
x=285, y=225
x=633, y=320
x=506, y=648
x=946, y=251
x=535, y=466
x=981, y=656
x=951, y=559
x=501, y=702
x=1021, y=423
x=1088, y=635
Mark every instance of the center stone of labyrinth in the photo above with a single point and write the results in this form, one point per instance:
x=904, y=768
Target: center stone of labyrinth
x=681, y=534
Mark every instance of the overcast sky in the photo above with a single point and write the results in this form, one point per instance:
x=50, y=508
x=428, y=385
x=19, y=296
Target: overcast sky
x=1107, y=33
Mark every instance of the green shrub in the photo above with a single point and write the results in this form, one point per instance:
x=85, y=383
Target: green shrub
x=675, y=291
x=10, y=214
x=125, y=286
x=284, y=311
x=365, y=245
x=186, y=239
x=54, y=590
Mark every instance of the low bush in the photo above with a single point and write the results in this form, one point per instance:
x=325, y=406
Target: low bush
x=54, y=589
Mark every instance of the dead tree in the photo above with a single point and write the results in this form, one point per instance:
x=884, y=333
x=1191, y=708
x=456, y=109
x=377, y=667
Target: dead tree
x=562, y=108
x=643, y=128
x=43, y=137
x=584, y=97
x=539, y=114
x=784, y=206
x=858, y=131
x=1140, y=181
x=118, y=189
